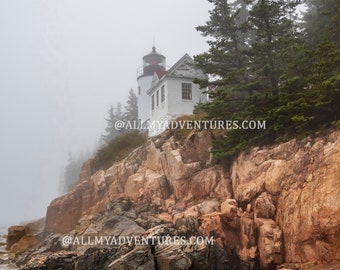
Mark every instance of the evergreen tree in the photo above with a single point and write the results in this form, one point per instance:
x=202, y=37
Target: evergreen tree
x=131, y=108
x=119, y=114
x=114, y=114
x=272, y=25
x=71, y=174
x=226, y=60
x=291, y=84
x=322, y=21
x=322, y=34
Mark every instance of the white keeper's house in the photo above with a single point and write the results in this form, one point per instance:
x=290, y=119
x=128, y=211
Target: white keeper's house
x=166, y=94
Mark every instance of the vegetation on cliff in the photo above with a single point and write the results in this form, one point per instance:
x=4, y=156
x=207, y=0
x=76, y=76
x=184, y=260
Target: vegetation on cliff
x=117, y=149
x=266, y=63
x=118, y=114
x=107, y=143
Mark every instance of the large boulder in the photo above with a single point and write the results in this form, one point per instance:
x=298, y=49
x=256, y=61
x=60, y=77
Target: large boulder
x=15, y=233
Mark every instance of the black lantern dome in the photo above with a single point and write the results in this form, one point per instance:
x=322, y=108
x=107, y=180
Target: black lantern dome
x=153, y=62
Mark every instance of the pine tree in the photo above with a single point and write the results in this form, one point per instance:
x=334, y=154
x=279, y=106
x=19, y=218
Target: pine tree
x=226, y=60
x=71, y=174
x=322, y=21
x=131, y=108
x=277, y=66
x=272, y=25
x=114, y=114
x=118, y=115
x=322, y=34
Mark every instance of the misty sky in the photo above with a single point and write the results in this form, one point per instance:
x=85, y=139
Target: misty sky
x=62, y=63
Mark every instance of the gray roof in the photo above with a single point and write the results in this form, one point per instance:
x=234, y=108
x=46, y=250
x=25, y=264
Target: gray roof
x=184, y=69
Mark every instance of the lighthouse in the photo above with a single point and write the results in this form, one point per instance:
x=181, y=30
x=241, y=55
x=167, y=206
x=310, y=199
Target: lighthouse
x=153, y=63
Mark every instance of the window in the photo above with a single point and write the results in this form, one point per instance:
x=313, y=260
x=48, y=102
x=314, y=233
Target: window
x=139, y=91
x=162, y=93
x=157, y=98
x=153, y=102
x=186, y=91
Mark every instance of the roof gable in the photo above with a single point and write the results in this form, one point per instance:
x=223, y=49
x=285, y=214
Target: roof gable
x=185, y=68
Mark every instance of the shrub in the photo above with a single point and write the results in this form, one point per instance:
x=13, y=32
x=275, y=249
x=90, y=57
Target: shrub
x=117, y=149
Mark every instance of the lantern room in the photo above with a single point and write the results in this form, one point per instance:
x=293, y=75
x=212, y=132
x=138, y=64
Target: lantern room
x=153, y=62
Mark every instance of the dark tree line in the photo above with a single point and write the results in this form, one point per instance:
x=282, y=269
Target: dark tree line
x=266, y=63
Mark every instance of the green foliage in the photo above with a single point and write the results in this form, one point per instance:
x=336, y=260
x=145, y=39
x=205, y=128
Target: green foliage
x=322, y=21
x=117, y=114
x=117, y=149
x=293, y=80
x=227, y=55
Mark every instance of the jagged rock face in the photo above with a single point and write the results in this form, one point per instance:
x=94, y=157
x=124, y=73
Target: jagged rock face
x=90, y=196
x=163, y=173
x=276, y=204
x=302, y=178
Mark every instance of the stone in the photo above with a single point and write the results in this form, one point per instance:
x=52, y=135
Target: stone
x=264, y=207
x=186, y=225
x=178, y=260
x=248, y=236
x=269, y=243
x=193, y=211
x=209, y=183
x=196, y=147
x=25, y=242
x=174, y=167
x=212, y=226
x=285, y=191
x=309, y=211
x=229, y=208
x=208, y=207
x=86, y=171
x=15, y=233
x=301, y=176
x=153, y=157
x=139, y=258
x=120, y=225
x=63, y=213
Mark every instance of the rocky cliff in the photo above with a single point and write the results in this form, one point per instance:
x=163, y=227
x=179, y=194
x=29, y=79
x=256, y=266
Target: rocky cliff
x=277, y=205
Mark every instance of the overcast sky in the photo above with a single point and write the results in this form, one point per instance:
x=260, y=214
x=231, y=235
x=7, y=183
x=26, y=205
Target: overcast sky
x=62, y=63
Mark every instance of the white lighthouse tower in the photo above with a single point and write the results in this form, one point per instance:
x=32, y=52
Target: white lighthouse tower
x=152, y=62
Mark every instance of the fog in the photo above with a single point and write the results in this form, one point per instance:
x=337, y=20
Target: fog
x=62, y=63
